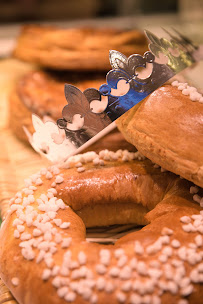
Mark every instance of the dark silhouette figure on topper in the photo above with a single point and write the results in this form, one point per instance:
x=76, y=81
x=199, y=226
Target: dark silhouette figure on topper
x=88, y=122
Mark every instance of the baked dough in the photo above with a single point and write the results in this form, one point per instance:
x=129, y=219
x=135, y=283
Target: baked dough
x=167, y=128
x=76, y=48
x=44, y=257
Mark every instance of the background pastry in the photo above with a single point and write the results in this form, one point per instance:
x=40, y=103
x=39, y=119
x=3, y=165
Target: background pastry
x=84, y=51
x=42, y=93
x=76, y=48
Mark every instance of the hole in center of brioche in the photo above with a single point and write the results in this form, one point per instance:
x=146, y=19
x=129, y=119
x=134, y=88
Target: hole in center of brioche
x=110, y=234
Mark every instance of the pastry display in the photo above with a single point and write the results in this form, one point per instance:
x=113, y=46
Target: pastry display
x=76, y=48
x=167, y=128
x=148, y=174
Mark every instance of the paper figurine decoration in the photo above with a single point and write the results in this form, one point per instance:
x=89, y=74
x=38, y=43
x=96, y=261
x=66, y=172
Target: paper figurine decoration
x=90, y=114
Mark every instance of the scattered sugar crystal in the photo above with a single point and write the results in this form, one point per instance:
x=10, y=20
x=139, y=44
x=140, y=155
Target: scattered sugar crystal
x=127, y=286
x=126, y=272
x=58, y=238
x=183, y=301
x=78, y=165
x=109, y=288
x=199, y=240
x=122, y=261
x=55, y=270
x=135, y=299
x=105, y=256
x=70, y=296
x=66, y=242
x=166, y=231
x=55, y=170
x=28, y=253
x=168, y=250
x=81, y=169
x=46, y=274
x=43, y=171
x=142, y=268
x=82, y=258
x=38, y=182
x=118, y=252
x=18, y=200
x=52, y=190
x=194, y=189
x=15, y=281
x=186, y=291
x=101, y=269
x=121, y=297
x=16, y=234
x=56, y=282
x=185, y=92
x=16, y=222
x=96, y=161
x=163, y=258
x=185, y=219
x=100, y=284
x=49, y=175
x=51, y=214
x=59, y=179
x=114, y=271
x=197, y=198
x=61, y=292
x=20, y=228
x=175, y=243
x=58, y=222
x=65, y=225
x=175, y=83
x=138, y=248
x=94, y=299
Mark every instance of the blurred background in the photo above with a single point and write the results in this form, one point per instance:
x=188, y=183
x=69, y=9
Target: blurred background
x=32, y=10
x=185, y=15
x=40, y=10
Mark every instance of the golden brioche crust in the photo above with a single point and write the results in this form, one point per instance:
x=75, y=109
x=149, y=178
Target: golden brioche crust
x=76, y=49
x=167, y=128
x=157, y=263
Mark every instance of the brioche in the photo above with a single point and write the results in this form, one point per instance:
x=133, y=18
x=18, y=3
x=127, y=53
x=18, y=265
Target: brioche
x=167, y=128
x=76, y=48
x=43, y=234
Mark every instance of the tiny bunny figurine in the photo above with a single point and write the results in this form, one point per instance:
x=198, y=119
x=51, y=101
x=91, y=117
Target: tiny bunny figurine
x=49, y=140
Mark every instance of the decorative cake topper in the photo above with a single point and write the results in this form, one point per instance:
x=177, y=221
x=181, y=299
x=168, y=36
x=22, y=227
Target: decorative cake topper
x=90, y=114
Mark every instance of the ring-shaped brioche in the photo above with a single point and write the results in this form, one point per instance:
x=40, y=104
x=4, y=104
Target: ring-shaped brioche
x=167, y=128
x=76, y=48
x=44, y=257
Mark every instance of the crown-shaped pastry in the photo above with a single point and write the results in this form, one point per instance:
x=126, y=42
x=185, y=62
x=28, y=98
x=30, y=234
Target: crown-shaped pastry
x=88, y=114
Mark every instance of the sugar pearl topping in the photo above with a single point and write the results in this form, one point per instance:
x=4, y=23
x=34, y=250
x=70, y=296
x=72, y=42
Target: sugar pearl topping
x=188, y=90
x=144, y=271
x=99, y=159
x=15, y=281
